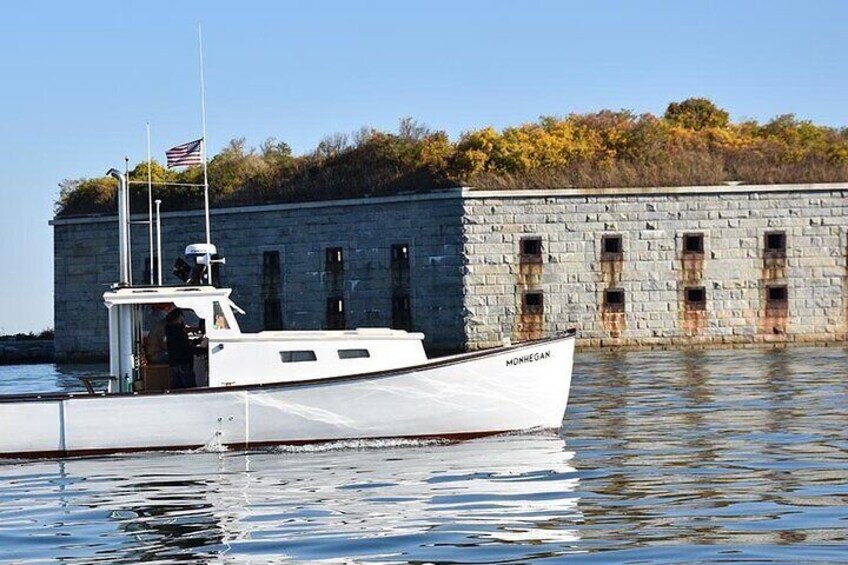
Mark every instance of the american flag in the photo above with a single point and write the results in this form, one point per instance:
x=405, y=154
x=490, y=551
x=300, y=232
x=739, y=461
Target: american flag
x=190, y=153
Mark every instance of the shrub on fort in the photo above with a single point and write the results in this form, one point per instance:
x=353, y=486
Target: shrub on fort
x=682, y=169
x=81, y=196
x=693, y=143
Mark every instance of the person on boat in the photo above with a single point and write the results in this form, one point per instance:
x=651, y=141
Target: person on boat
x=155, y=346
x=181, y=350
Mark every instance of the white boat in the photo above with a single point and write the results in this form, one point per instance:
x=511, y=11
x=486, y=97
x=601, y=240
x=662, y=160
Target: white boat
x=285, y=387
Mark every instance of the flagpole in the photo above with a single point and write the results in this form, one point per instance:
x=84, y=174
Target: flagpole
x=150, y=203
x=203, y=142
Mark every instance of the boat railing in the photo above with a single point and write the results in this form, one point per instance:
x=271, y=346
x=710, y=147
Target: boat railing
x=89, y=380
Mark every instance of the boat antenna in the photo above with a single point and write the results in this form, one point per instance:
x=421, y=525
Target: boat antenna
x=129, y=216
x=203, y=138
x=159, y=240
x=208, y=270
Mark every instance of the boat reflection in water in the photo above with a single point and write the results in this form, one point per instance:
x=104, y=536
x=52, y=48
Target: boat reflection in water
x=404, y=501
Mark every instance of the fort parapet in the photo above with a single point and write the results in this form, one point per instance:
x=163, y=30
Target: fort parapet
x=696, y=266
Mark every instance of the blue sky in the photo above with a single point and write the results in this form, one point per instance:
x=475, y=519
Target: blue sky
x=81, y=79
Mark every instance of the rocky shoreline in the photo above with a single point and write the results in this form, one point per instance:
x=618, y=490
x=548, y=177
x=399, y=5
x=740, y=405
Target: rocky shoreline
x=22, y=352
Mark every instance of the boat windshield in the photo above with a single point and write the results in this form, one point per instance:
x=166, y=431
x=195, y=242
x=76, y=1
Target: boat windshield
x=220, y=319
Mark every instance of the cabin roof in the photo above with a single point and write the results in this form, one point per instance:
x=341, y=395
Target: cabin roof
x=325, y=335
x=156, y=294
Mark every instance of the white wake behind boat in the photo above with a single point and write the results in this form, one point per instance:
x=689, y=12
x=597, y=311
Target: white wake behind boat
x=285, y=387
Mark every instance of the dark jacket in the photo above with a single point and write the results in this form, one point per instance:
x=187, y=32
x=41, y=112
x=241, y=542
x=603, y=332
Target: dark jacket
x=180, y=347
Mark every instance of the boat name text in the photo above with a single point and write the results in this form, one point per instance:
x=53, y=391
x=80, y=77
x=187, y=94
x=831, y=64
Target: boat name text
x=529, y=358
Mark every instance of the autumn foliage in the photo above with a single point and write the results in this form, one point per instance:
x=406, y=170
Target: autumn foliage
x=693, y=143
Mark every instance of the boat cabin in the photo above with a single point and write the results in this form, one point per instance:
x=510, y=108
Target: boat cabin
x=227, y=357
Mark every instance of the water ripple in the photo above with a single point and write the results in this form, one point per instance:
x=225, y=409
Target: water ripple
x=665, y=457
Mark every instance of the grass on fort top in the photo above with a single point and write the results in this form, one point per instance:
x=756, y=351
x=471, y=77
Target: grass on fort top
x=693, y=143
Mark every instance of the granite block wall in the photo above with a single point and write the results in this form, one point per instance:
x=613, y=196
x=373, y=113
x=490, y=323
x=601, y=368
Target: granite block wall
x=626, y=267
x=86, y=264
x=727, y=287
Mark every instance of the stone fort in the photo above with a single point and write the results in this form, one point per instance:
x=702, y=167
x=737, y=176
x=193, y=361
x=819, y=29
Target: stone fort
x=631, y=267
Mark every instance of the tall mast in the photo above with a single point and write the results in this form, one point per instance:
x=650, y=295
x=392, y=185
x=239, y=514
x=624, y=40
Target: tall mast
x=203, y=142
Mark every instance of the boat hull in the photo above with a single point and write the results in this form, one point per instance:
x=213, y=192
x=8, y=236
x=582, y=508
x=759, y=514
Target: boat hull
x=508, y=389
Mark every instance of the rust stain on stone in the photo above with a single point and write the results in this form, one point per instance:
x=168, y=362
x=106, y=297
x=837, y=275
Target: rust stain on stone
x=693, y=320
x=612, y=268
x=613, y=322
x=773, y=321
x=774, y=314
x=692, y=268
x=531, y=317
x=613, y=319
x=774, y=268
x=692, y=309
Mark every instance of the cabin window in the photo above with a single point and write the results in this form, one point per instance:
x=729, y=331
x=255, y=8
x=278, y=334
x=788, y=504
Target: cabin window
x=335, y=313
x=534, y=302
x=219, y=318
x=334, y=258
x=400, y=256
x=774, y=244
x=614, y=300
x=353, y=354
x=612, y=247
x=693, y=243
x=777, y=296
x=695, y=298
x=297, y=356
x=531, y=249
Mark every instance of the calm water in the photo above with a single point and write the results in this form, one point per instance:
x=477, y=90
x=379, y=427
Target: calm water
x=667, y=457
